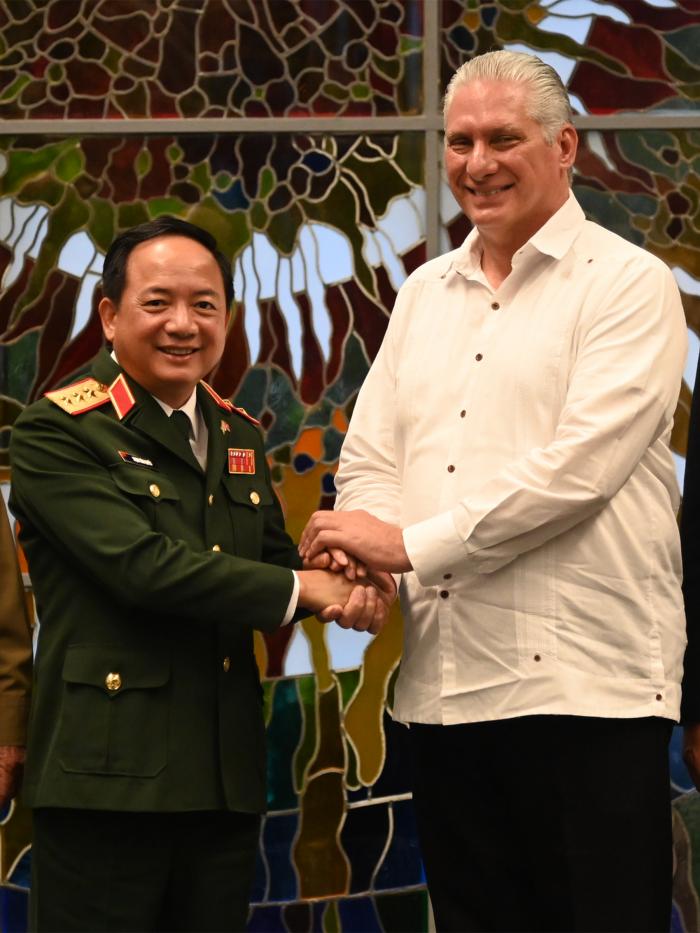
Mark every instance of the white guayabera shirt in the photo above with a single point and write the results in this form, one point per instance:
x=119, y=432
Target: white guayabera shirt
x=520, y=438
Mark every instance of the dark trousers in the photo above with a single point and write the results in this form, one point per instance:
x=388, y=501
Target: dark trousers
x=546, y=823
x=101, y=871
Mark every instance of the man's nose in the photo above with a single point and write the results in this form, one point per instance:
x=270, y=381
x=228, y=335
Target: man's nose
x=181, y=319
x=481, y=161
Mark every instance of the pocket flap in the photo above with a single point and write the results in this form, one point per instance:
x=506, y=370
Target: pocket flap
x=113, y=668
x=248, y=490
x=136, y=481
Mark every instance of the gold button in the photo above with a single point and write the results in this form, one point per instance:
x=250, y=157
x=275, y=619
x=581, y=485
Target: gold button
x=227, y=664
x=154, y=490
x=210, y=500
x=113, y=682
x=255, y=498
x=217, y=547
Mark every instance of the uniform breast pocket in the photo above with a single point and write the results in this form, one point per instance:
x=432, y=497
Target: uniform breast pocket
x=115, y=712
x=155, y=494
x=145, y=485
x=248, y=498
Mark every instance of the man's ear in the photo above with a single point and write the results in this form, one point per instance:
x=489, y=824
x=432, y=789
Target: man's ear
x=108, y=311
x=568, y=143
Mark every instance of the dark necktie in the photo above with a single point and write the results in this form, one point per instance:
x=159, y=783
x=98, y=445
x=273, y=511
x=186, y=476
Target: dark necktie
x=182, y=423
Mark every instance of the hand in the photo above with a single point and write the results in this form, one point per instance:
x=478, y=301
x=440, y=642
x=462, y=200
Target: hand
x=367, y=610
x=338, y=561
x=11, y=770
x=324, y=591
x=691, y=752
x=377, y=544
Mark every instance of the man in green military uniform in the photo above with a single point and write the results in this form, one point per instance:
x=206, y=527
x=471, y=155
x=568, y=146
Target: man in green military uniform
x=15, y=665
x=156, y=546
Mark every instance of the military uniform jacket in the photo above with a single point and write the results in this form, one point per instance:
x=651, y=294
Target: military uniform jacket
x=150, y=576
x=15, y=643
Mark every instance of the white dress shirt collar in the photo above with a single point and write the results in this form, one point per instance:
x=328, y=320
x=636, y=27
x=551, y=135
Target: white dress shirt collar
x=554, y=238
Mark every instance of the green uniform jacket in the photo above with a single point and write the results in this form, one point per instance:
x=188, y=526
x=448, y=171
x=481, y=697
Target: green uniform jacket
x=15, y=643
x=149, y=577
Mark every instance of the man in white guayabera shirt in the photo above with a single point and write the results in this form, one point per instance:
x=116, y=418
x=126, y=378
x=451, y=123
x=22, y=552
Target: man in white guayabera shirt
x=508, y=457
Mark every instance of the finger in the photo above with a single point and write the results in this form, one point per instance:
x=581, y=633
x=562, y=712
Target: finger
x=329, y=614
x=380, y=618
x=365, y=609
x=345, y=562
x=354, y=608
x=322, y=561
x=321, y=542
x=313, y=526
x=340, y=556
x=370, y=611
x=361, y=569
x=385, y=584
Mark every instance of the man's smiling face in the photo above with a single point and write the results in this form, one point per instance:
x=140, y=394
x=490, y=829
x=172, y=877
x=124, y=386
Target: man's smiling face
x=506, y=178
x=169, y=329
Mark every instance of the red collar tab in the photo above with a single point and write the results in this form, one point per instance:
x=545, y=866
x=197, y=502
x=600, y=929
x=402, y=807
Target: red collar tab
x=121, y=395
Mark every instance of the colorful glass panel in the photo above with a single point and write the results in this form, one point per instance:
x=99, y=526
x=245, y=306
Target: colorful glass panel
x=116, y=59
x=622, y=55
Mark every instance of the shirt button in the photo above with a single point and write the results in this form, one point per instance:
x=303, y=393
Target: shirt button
x=210, y=500
x=154, y=490
x=659, y=696
x=444, y=594
x=495, y=306
x=537, y=657
x=447, y=576
x=463, y=413
x=227, y=665
x=479, y=356
x=217, y=547
x=451, y=468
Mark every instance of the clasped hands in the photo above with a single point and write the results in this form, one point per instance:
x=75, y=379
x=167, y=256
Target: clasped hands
x=355, y=554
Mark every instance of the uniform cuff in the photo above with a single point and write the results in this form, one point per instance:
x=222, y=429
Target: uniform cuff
x=293, y=600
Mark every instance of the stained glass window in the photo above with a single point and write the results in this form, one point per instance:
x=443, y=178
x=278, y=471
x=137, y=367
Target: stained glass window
x=305, y=134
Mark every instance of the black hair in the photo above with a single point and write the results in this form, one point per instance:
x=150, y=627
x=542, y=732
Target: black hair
x=114, y=269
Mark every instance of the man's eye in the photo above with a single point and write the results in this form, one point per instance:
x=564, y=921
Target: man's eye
x=205, y=306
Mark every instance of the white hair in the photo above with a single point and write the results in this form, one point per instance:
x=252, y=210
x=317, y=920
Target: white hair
x=548, y=102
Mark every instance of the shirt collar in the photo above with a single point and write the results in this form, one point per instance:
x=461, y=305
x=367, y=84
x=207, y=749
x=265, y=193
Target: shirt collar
x=189, y=408
x=554, y=238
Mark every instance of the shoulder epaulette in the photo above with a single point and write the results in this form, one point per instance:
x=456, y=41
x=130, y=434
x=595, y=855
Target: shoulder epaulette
x=244, y=414
x=228, y=405
x=221, y=402
x=80, y=397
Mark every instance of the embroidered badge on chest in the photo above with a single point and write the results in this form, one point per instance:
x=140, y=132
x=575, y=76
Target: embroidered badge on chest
x=137, y=461
x=241, y=460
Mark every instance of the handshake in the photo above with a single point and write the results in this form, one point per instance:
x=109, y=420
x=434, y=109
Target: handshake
x=348, y=561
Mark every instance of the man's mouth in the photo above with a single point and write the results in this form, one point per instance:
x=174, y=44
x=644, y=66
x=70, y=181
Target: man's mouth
x=178, y=351
x=488, y=192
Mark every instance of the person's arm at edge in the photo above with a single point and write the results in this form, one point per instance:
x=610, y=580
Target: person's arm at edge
x=690, y=546
x=15, y=665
